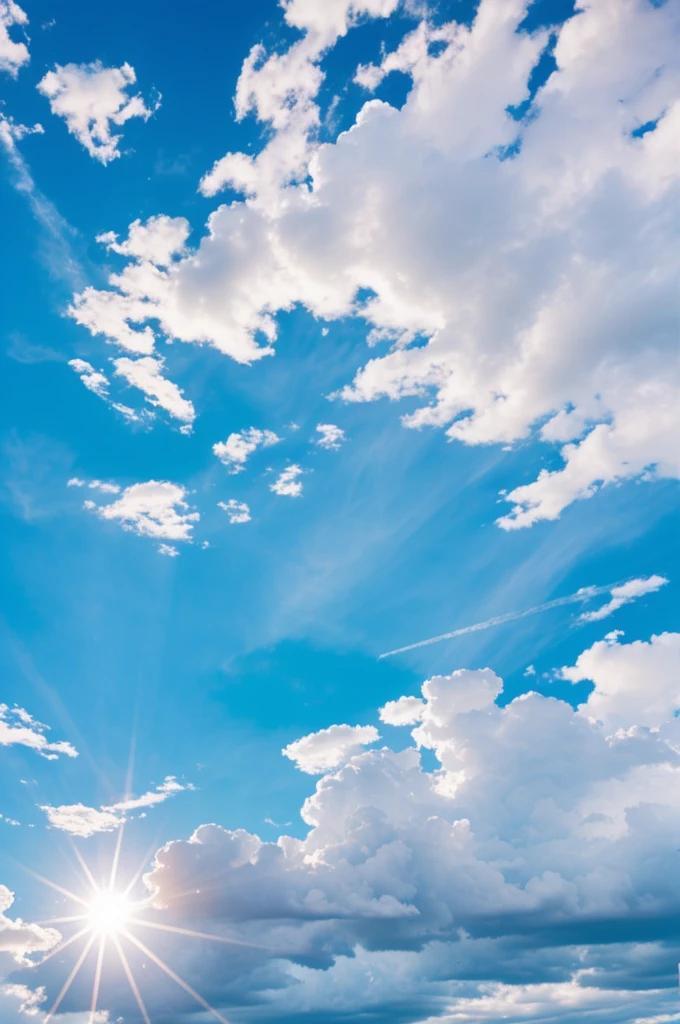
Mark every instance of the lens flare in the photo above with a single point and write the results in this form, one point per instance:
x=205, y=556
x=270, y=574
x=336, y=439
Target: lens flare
x=109, y=912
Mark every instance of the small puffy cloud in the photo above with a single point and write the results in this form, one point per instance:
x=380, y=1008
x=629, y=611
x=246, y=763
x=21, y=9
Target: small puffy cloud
x=168, y=549
x=405, y=711
x=94, y=485
x=287, y=482
x=81, y=820
x=157, y=241
x=331, y=436
x=236, y=450
x=13, y=55
x=237, y=511
x=626, y=593
x=156, y=509
x=634, y=684
x=92, y=99
x=30, y=1000
x=19, y=938
x=18, y=728
x=91, y=378
x=147, y=375
x=321, y=751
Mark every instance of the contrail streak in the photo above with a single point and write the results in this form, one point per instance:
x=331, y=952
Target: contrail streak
x=582, y=595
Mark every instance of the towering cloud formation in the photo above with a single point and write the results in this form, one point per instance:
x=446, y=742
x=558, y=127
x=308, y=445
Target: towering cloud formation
x=540, y=827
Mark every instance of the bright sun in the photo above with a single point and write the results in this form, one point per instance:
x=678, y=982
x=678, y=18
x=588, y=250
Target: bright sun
x=109, y=912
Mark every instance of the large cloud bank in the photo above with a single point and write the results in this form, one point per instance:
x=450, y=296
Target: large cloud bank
x=530, y=875
x=518, y=251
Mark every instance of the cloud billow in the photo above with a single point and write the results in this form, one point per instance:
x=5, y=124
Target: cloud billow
x=543, y=828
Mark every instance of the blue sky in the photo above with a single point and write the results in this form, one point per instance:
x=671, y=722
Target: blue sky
x=464, y=261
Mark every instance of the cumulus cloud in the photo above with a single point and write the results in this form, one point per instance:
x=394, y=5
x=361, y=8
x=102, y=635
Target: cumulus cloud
x=19, y=938
x=93, y=99
x=237, y=449
x=18, y=728
x=238, y=511
x=94, y=485
x=331, y=436
x=80, y=820
x=625, y=594
x=147, y=375
x=13, y=54
x=538, y=851
x=287, y=482
x=91, y=378
x=404, y=711
x=168, y=549
x=518, y=252
x=84, y=821
x=634, y=684
x=320, y=751
x=156, y=509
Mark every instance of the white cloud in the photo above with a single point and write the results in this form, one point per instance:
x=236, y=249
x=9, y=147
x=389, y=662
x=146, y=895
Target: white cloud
x=94, y=485
x=19, y=938
x=18, y=728
x=13, y=54
x=634, y=684
x=92, y=99
x=567, y=212
x=158, y=241
x=287, y=483
x=331, y=437
x=320, y=751
x=152, y=509
x=81, y=820
x=626, y=593
x=91, y=378
x=237, y=449
x=168, y=549
x=405, y=711
x=146, y=374
x=30, y=1000
x=168, y=787
x=237, y=511
x=528, y=873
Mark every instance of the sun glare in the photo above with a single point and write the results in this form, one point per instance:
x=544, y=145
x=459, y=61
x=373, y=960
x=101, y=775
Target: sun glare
x=109, y=912
x=106, y=921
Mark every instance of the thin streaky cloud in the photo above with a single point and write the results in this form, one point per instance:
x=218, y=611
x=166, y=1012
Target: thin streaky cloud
x=581, y=596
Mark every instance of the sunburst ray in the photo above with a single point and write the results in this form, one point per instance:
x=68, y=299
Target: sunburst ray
x=97, y=977
x=175, y=977
x=61, y=947
x=196, y=935
x=69, y=981
x=131, y=979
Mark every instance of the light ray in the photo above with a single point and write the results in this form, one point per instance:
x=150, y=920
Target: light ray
x=63, y=920
x=97, y=978
x=196, y=935
x=175, y=977
x=86, y=871
x=57, y=888
x=116, y=854
x=137, y=875
x=62, y=946
x=67, y=984
x=131, y=978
